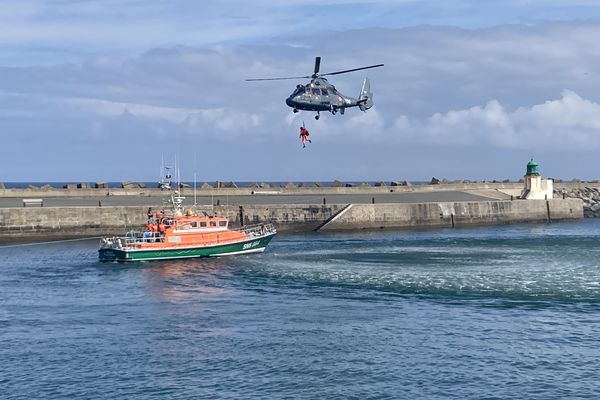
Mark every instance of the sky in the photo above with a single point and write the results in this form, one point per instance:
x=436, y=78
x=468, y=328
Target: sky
x=471, y=89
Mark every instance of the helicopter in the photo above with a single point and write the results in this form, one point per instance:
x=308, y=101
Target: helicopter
x=320, y=95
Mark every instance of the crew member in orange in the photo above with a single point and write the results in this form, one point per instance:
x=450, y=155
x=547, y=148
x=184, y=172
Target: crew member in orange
x=161, y=229
x=304, y=136
x=154, y=230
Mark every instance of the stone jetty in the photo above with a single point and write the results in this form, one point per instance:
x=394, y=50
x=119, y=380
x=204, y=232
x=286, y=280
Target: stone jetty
x=99, y=210
x=589, y=195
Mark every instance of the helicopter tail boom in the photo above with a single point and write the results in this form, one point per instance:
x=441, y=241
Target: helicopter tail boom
x=365, y=99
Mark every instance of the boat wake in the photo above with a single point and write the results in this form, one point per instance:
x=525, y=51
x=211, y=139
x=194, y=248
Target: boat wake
x=547, y=270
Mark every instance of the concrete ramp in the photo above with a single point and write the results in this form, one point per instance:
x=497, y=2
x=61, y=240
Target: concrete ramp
x=333, y=218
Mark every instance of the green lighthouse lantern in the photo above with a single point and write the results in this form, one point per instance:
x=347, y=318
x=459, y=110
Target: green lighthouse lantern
x=532, y=168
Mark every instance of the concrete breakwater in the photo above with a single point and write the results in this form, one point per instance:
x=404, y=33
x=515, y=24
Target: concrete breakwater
x=452, y=215
x=62, y=222
x=589, y=195
x=508, y=189
x=233, y=191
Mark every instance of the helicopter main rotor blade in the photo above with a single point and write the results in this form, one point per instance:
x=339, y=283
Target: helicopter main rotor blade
x=351, y=70
x=278, y=79
x=317, y=65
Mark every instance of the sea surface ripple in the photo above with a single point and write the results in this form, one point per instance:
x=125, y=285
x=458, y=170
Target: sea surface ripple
x=484, y=313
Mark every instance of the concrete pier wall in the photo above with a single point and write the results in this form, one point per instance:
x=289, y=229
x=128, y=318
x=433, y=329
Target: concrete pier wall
x=57, y=222
x=374, y=216
x=485, y=189
x=148, y=192
x=512, y=188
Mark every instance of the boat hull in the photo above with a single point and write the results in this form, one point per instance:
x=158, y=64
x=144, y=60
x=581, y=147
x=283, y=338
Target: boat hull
x=254, y=245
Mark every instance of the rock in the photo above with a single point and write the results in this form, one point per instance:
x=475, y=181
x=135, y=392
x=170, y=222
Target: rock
x=184, y=185
x=141, y=185
x=70, y=186
x=290, y=185
x=576, y=180
x=434, y=181
x=336, y=184
x=365, y=184
x=218, y=185
x=301, y=185
x=206, y=185
x=348, y=185
x=380, y=184
x=506, y=181
x=101, y=185
x=32, y=187
x=265, y=185
x=83, y=185
x=254, y=185
x=444, y=181
x=2, y=187
x=318, y=184
x=46, y=187
x=403, y=183
x=128, y=185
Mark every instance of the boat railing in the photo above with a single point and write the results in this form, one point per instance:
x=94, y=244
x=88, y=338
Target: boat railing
x=257, y=230
x=132, y=240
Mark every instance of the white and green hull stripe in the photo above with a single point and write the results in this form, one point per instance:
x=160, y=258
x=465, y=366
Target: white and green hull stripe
x=254, y=245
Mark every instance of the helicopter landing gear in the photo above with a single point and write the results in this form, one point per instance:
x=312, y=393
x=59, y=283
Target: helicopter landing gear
x=295, y=110
x=317, y=116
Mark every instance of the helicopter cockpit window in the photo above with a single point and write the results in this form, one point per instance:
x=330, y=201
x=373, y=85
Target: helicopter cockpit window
x=324, y=92
x=299, y=90
x=316, y=91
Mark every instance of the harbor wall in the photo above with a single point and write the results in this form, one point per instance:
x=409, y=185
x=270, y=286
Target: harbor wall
x=508, y=187
x=307, y=190
x=457, y=214
x=47, y=223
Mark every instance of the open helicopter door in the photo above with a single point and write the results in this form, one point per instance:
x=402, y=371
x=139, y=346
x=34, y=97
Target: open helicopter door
x=365, y=99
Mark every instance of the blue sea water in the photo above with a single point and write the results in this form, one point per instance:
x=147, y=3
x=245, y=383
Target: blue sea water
x=486, y=313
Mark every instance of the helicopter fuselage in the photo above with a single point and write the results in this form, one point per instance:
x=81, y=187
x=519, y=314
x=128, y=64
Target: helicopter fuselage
x=319, y=95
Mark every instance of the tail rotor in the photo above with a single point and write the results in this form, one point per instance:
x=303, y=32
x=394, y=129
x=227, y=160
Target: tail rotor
x=365, y=99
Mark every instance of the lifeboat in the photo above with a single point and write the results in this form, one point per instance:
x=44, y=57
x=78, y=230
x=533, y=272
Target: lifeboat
x=187, y=236
x=184, y=234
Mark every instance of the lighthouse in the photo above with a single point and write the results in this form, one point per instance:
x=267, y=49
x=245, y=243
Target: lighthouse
x=536, y=188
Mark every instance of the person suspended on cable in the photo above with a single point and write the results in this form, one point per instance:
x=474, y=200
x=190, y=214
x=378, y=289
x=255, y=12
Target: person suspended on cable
x=304, y=136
